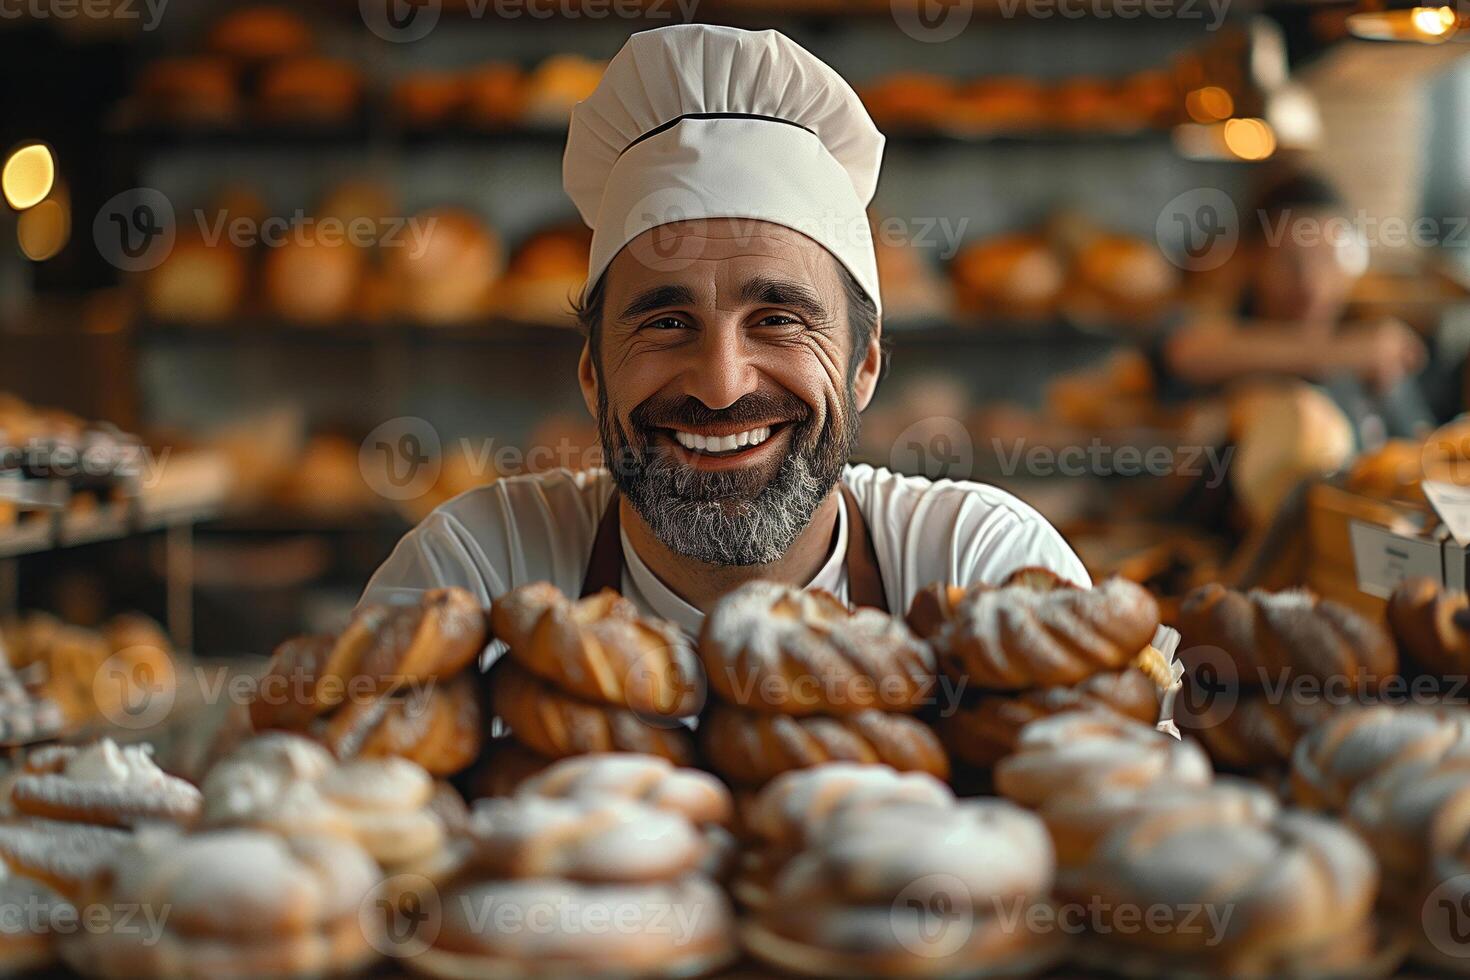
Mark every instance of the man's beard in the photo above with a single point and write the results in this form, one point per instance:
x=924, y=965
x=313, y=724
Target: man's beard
x=727, y=517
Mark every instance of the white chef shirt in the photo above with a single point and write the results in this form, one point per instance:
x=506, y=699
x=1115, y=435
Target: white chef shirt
x=540, y=527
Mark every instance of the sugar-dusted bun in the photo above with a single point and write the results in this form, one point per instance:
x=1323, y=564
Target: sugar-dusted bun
x=775, y=649
x=1256, y=731
x=104, y=784
x=1358, y=744
x=1091, y=751
x=605, y=839
x=644, y=943
x=797, y=803
x=1395, y=813
x=384, y=648
x=1080, y=821
x=61, y=854
x=601, y=649
x=387, y=803
x=1044, y=633
x=1273, y=636
x=557, y=725
x=649, y=779
x=285, y=696
x=748, y=748
x=984, y=731
x=1432, y=626
x=269, y=783
x=436, y=725
x=1293, y=884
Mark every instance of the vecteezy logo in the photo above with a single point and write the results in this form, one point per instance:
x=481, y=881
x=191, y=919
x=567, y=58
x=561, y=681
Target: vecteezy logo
x=135, y=230
x=400, y=460
x=663, y=705
x=933, y=916
x=400, y=21
x=655, y=246
x=129, y=692
x=401, y=916
x=932, y=21
x=1446, y=916
x=1199, y=229
x=1210, y=690
x=939, y=448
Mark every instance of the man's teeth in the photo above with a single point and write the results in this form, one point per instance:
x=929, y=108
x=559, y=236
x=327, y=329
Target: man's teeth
x=722, y=444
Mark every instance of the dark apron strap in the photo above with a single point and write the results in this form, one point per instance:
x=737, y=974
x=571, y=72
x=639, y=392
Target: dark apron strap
x=864, y=578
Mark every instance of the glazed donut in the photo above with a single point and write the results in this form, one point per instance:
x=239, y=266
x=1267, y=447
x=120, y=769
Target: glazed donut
x=749, y=748
x=62, y=855
x=1296, y=886
x=1273, y=635
x=1355, y=745
x=1079, y=822
x=648, y=779
x=436, y=725
x=385, y=647
x=778, y=650
x=594, y=840
x=600, y=649
x=643, y=944
x=103, y=784
x=241, y=903
x=285, y=696
x=1395, y=813
x=1043, y=632
x=557, y=725
x=1091, y=751
x=985, y=730
x=1255, y=732
x=1432, y=626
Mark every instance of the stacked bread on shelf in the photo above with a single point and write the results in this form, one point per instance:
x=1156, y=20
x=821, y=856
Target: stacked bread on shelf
x=799, y=679
x=592, y=675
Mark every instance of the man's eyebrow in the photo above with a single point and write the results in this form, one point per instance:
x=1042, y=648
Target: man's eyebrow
x=770, y=291
x=657, y=298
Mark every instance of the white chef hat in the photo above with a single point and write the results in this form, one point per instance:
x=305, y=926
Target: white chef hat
x=696, y=121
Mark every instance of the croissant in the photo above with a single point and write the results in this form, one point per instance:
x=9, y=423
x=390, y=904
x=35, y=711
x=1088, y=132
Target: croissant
x=1270, y=636
x=749, y=749
x=1432, y=626
x=1037, y=631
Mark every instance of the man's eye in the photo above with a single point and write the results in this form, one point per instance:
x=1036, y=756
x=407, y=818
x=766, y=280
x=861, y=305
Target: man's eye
x=666, y=323
x=777, y=320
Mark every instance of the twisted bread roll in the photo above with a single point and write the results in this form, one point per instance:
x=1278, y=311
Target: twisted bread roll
x=648, y=779
x=436, y=725
x=600, y=649
x=1256, y=732
x=1353, y=746
x=779, y=650
x=1038, y=631
x=797, y=803
x=1297, y=887
x=1444, y=892
x=557, y=725
x=986, y=730
x=1432, y=626
x=749, y=749
x=1272, y=635
x=594, y=840
x=286, y=697
x=1093, y=750
x=1395, y=813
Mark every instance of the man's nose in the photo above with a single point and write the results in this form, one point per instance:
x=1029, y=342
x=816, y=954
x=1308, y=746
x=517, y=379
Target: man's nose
x=723, y=371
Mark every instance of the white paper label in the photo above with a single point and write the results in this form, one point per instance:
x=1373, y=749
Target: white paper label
x=1384, y=559
x=1452, y=503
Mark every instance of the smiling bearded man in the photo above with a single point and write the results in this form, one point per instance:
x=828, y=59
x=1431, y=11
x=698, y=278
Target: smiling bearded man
x=733, y=324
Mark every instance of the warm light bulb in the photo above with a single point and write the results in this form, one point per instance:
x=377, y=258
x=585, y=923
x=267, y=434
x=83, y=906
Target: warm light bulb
x=1433, y=21
x=28, y=176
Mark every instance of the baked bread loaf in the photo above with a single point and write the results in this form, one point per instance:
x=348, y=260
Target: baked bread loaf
x=1300, y=889
x=643, y=944
x=1358, y=744
x=592, y=840
x=1271, y=636
x=771, y=648
x=600, y=649
x=749, y=748
x=1432, y=626
x=648, y=779
x=1091, y=751
x=103, y=784
x=1253, y=732
x=1039, y=631
x=436, y=725
x=985, y=730
x=242, y=903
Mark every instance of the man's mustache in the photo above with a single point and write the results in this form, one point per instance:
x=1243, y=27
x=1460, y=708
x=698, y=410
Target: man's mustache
x=661, y=412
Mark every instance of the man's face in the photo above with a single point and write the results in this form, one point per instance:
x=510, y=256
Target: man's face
x=722, y=390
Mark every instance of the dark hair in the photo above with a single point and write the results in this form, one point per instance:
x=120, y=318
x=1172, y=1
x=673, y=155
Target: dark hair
x=862, y=319
x=1297, y=191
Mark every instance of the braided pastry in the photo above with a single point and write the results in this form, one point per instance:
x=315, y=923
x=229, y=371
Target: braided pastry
x=1094, y=750
x=796, y=804
x=1395, y=813
x=649, y=779
x=1358, y=744
x=1272, y=635
x=385, y=647
x=985, y=730
x=749, y=748
x=600, y=649
x=436, y=725
x=557, y=725
x=1039, y=631
x=1432, y=626
x=1300, y=891
x=1444, y=892
x=779, y=650
x=1255, y=732
x=285, y=696
x=595, y=840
